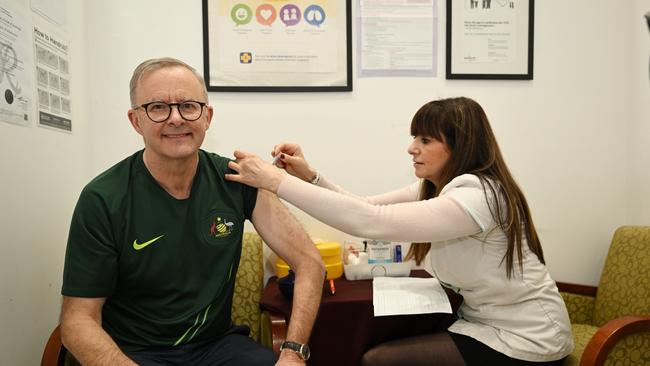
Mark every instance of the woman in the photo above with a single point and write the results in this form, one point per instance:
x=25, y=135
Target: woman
x=473, y=218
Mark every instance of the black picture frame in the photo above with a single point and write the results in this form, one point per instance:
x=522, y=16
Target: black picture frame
x=506, y=56
x=312, y=81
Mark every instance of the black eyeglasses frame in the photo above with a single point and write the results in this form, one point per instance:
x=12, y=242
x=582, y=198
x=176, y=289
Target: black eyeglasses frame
x=170, y=105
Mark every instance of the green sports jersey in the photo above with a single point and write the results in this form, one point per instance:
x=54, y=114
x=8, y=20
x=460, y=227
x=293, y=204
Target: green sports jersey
x=165, y=266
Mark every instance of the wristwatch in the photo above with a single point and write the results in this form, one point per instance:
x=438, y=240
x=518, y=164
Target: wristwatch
x=315, y=179
x=301, y=349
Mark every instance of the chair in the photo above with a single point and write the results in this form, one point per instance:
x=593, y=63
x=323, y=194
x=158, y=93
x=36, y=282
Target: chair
x=611, y=322
x=268, y=329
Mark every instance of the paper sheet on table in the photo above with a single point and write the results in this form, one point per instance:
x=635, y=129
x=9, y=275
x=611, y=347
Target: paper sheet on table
x=408, y=295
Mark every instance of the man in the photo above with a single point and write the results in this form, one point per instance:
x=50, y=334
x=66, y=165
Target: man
x=155, y=242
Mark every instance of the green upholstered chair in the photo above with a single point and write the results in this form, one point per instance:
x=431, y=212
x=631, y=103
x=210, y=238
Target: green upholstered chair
x=611, y=322
x=267, y=328
x=249, y=285
x=245, y=306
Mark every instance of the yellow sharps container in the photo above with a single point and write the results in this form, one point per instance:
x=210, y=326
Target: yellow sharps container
x=331, y=254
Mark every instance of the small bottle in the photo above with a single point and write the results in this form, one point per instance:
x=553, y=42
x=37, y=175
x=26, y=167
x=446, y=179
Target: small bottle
x=398, y=253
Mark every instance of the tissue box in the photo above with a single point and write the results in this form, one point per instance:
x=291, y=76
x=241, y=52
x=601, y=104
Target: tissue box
x=368, y=271
x=331, y=254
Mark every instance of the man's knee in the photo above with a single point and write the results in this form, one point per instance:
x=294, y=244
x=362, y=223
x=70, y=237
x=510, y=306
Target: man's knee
x=248, y=352
x=260, y=356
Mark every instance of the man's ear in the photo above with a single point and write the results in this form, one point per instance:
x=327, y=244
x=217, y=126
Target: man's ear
x=135, y=120
x=209, y=113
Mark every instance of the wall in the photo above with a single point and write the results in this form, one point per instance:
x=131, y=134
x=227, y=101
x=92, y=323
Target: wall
x=564, y=134
x=42, y=173
x=639, y=131
x=576, y=137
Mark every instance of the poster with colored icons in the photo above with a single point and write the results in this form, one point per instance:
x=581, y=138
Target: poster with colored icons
x=277, y=45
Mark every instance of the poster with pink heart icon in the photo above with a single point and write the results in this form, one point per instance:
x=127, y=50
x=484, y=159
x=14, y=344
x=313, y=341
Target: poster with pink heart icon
x=291, y=42
x=266, y=14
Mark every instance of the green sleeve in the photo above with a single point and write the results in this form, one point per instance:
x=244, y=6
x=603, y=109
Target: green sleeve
x=250, y=198
x=91, y=255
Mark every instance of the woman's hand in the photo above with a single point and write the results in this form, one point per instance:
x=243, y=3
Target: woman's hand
x=254, y=172
x=293, y=161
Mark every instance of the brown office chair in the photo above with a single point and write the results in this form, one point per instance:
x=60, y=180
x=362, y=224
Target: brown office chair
x=245, y=307
x=611, y=322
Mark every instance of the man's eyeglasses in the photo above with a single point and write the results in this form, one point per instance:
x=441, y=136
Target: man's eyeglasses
x=158, y=112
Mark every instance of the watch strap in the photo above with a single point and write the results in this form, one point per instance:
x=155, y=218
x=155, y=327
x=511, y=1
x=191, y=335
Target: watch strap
x=301, y=349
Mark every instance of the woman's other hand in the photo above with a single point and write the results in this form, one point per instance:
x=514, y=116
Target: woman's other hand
x=255, y=172
x=293, y=161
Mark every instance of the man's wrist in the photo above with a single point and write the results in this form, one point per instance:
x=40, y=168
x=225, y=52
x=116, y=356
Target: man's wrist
x=288, y=355
x=299, y=349
x=291, y=355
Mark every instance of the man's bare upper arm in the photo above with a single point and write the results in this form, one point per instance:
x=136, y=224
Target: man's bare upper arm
x=82, y=306
x=280, y=229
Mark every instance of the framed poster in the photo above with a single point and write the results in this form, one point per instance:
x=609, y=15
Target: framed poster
x=490, y=39
x=277, y=45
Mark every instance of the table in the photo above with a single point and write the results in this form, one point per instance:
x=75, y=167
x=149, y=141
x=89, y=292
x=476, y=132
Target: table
x=346, y=327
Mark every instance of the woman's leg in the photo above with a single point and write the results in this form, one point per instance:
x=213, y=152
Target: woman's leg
x=430, y=350
x=477, y=353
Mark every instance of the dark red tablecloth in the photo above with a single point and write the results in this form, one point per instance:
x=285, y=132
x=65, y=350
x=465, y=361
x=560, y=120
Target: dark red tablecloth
x=346, y=327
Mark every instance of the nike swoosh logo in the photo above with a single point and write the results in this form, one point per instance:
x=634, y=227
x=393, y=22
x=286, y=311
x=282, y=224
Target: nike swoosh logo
x=137, y=246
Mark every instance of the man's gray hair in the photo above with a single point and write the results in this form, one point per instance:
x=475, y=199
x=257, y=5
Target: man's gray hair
x=159, y=63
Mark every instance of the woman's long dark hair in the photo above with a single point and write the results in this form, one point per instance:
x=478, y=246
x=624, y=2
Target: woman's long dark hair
x=462, y=124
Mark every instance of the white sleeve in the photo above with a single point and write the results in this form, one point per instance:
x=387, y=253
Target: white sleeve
x=406, y=194
x=469, y=193
x=432, y=220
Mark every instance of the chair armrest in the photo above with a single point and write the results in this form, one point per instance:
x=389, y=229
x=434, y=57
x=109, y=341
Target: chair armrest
x=275, y=324
x=54, y=353
x=580, y=301
x=577, y=289
x=609, y=334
